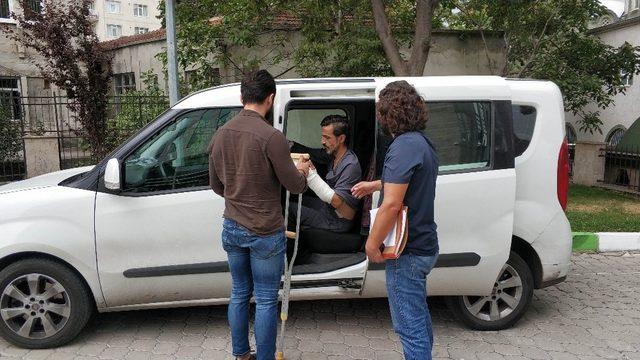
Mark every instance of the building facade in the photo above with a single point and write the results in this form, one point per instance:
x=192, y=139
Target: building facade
x=117, y=18
x=600, y=157
x=625, y=110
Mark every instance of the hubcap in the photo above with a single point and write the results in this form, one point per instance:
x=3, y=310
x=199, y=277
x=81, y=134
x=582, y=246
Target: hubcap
x=35, y=306
x=504, y=298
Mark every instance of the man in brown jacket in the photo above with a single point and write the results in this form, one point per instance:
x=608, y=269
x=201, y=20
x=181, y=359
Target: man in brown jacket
x=249, y=162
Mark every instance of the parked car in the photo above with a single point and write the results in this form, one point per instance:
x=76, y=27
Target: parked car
x=141, y=229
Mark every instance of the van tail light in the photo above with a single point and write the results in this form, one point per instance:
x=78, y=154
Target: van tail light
x=563, y=174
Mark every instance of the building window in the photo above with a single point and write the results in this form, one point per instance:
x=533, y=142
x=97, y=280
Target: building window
x=635, y=4
x=35, y=5
x=124, y=82
x=113, y=7
x=627, y=78
x=140, y=10
x=10, y=96
x=615, y=136
x=5, y=12
x=114, y=30
x=140, y=30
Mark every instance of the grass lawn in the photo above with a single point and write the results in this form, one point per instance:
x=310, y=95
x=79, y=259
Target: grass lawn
x=594, y=209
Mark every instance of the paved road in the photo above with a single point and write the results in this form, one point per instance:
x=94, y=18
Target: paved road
x=595, y=314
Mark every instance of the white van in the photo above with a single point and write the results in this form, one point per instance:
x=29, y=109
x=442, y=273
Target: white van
x=69, y=245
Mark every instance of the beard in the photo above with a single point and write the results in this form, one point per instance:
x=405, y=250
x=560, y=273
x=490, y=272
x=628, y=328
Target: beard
x=269, y=116
x=328, y=151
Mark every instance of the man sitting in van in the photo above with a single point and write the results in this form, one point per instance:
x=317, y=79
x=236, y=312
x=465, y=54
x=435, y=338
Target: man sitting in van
x=335, y=207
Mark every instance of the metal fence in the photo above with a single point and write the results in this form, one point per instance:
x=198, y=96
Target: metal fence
x=622, y=167
x=51, y=116
x=572, y=159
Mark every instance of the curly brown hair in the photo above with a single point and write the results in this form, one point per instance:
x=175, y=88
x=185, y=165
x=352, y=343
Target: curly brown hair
x=401, y=109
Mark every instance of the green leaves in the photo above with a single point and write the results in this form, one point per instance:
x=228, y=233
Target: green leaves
x=10, y=132
x=550, y=40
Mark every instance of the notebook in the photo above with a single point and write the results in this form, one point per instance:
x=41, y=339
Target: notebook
x=396, y=239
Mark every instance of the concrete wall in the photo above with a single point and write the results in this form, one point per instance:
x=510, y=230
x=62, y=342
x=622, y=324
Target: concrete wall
x=589, y=165
x=138, y=59
x=463, y=53
x=41, y=155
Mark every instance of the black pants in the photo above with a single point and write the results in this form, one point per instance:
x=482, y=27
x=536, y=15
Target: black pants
x=315, y=215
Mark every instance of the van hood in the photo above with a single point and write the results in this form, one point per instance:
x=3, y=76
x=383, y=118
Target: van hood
x=50, y=179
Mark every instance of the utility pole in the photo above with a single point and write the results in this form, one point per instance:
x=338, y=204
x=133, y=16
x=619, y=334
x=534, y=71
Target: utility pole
x=172, y=56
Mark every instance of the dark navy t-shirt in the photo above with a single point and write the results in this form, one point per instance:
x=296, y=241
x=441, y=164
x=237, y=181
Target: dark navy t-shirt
x=411, y=159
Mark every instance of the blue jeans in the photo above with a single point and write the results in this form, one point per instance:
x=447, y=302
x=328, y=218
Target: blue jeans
x=407, y=291
x=256, y=264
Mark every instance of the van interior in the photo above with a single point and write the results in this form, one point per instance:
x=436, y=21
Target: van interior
x=461, y=132
x=302, y=125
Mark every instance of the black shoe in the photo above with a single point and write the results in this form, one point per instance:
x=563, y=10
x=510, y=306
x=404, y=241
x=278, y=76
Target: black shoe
x=252, y=356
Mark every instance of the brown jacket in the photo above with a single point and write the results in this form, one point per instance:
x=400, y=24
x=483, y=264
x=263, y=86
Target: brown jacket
x=248, y=163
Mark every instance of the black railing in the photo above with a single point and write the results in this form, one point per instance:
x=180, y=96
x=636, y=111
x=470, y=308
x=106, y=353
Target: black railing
x=572, y=158
x=622, y=167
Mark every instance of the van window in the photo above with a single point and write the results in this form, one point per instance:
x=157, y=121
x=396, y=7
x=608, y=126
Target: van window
x=177, y=156
x=303, y=125
x=524, y=122
x=460, y=132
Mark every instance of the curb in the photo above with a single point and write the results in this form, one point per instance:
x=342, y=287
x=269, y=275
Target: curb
x=606, y=241
x=583, y=241
x=618, y=241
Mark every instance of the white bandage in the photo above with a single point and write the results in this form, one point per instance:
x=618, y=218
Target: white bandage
x=315, y=182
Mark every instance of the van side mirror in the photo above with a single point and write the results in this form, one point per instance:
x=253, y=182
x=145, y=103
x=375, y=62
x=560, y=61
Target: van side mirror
x=112, y=175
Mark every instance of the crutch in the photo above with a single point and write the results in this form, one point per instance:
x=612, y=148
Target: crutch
x=288, y=268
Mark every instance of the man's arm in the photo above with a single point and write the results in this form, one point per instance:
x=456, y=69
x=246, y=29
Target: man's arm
x=289, y=176
x=386, y=217
x=214, y=181
x=337, y=196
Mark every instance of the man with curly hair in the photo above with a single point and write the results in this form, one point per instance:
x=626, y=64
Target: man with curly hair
x=408, y=178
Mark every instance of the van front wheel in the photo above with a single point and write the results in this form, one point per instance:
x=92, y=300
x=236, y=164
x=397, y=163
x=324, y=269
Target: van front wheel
x=509, y=299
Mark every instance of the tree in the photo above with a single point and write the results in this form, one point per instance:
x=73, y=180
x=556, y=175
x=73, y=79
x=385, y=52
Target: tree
x=135, y=110
x=424, y=10
x=339, y=37
x=235, y=34
x=550, y=40
x=73, y=60
x=10, y=132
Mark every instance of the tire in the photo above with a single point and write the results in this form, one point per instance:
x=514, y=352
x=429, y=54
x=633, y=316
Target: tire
x=43, y=304
x=508, y=312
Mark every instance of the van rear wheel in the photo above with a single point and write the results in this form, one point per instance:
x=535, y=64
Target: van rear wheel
x=507, y=303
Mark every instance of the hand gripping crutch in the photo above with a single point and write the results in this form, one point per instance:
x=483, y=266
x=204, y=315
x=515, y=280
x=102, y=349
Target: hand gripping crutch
x=288, y=269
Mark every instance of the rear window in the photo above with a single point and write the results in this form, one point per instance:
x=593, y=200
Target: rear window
x=460, y=132
x=524, y=122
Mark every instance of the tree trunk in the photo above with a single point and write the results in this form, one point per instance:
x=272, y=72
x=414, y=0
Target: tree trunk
x=421, y=39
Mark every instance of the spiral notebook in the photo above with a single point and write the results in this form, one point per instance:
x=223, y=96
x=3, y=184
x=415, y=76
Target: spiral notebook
x=396, y=239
